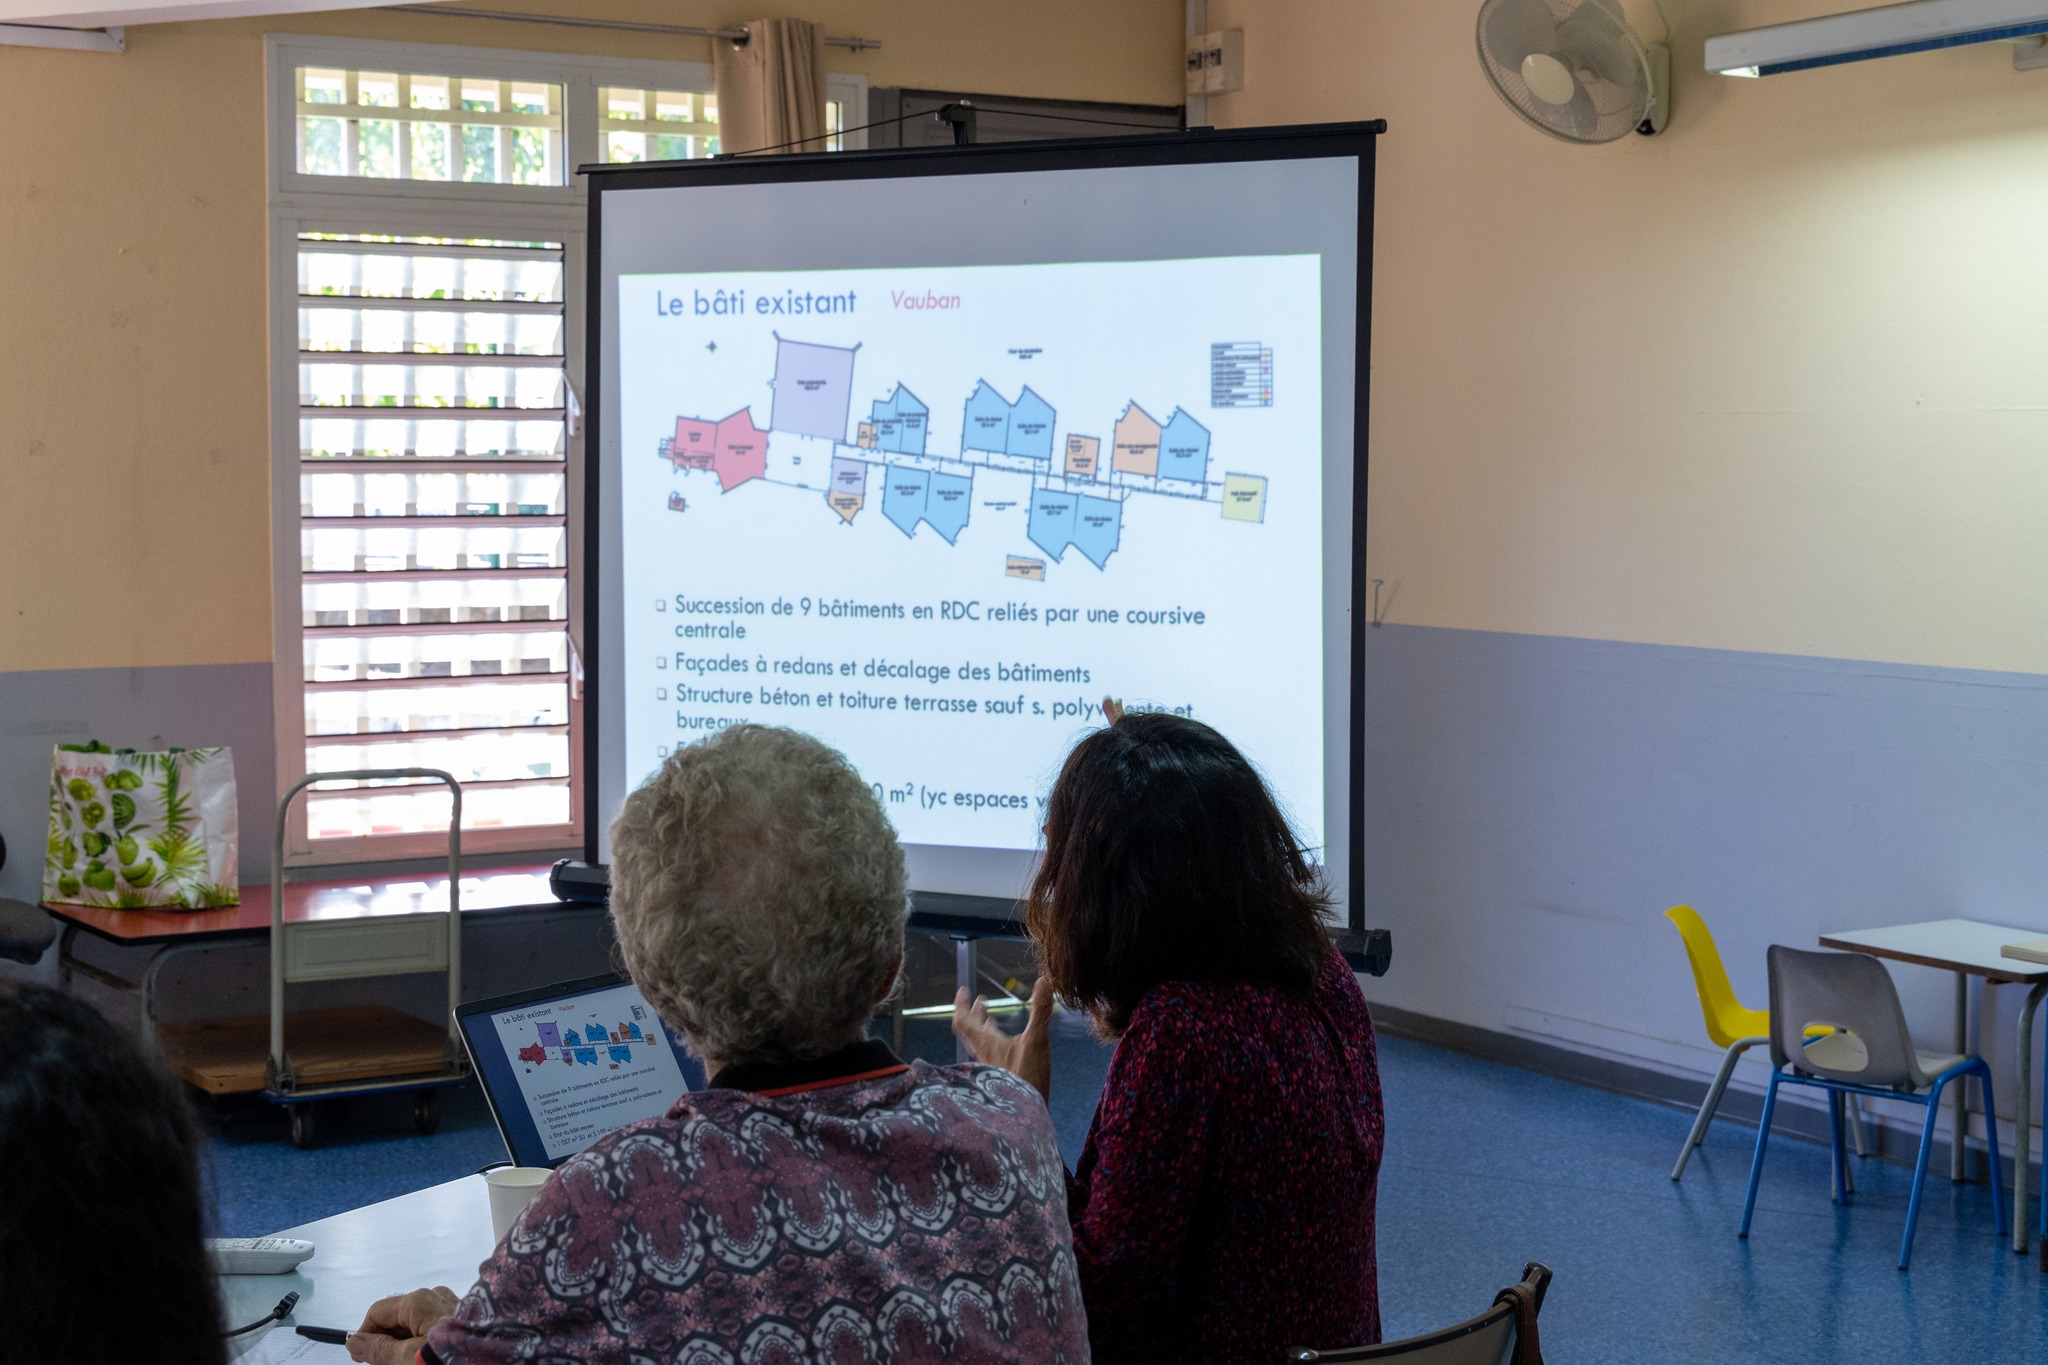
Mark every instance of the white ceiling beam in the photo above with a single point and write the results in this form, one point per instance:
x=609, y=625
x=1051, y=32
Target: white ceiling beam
x=95, y=14
x=77, y=39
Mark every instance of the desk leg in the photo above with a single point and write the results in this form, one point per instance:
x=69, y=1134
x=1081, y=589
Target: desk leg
x=964, y=977
x=2023, y=1116
x=1959, y=1148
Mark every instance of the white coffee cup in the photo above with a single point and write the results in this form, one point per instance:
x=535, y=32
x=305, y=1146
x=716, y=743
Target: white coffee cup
x=512, y=1189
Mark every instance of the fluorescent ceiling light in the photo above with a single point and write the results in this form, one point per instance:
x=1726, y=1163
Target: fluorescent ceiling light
x=1889, y=31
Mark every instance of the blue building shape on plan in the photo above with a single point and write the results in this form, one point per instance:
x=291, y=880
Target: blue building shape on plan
x=900, y=423
x=571, y=1037
x=1098, y=525
x=946, y=503
x=940, y=500
x=903, y=496
x=987, y=424
x=1022, y=428
x=1094, y=526
x=620, y=1052
x=587, y=1056
x=1051, y=524
x=1183, y=448
x=1031, y=419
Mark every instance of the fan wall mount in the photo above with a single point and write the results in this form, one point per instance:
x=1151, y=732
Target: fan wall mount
x=1574, y=68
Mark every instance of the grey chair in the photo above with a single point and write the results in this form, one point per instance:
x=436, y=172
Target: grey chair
x=25, y=930
x=1504, y=1334
x=1868, y=1051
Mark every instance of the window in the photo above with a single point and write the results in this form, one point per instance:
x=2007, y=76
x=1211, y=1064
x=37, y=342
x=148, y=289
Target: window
x=392, y=125
x=433, y=486
x=658, y=125
x=427, y=267
x=678, y=125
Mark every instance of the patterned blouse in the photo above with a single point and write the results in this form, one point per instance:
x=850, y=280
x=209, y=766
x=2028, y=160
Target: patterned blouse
x=853, y=1210
x=1223, y=1206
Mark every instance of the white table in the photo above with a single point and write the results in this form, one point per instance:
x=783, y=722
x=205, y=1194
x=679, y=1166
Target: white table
x=1970, y=948
x=439, y=1235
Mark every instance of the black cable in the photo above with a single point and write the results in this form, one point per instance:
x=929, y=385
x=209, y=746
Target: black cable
x=820, y=137
x=277, y=1314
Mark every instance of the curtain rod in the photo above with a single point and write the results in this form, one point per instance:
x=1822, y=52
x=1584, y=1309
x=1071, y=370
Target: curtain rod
x=561, y=21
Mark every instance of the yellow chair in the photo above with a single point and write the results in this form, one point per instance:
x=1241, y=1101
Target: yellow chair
x=1730, y=1024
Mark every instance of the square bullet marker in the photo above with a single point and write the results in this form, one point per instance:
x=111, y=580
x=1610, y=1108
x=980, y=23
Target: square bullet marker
x=661, y=661
x=661, y=604
x=661, y=694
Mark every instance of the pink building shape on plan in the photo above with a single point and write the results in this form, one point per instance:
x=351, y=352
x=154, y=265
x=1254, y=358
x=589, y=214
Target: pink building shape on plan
x=695, y=443
x=740, y=451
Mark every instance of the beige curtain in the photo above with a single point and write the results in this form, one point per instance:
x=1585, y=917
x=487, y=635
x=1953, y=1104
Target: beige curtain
x=771, y=88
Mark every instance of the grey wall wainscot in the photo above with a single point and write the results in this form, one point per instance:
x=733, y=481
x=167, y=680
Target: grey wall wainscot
x=1534, y=804
x=191, y=707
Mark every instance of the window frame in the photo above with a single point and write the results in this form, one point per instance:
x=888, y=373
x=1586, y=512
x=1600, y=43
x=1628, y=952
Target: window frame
x=299, y=203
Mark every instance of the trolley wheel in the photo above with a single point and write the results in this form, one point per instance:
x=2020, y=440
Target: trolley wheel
x=426, y=1111
x=304, y=1134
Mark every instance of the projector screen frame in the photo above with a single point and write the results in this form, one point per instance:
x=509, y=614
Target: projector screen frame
x=983, y=915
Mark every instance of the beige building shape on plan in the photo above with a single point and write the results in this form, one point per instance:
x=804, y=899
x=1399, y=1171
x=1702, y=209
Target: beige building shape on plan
x=1135, y=443
x=1083, y=456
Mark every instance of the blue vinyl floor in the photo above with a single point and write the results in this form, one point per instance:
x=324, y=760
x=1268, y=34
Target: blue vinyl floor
x=1486, y=1167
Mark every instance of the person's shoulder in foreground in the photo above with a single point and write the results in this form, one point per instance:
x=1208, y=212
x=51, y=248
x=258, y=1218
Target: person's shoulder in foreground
x=848, y=1208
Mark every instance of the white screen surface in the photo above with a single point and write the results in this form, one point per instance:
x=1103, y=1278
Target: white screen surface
x=932, y=494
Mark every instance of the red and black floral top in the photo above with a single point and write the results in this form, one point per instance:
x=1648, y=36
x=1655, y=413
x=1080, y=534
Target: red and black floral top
x=1223, y=1207
x=855, y=1210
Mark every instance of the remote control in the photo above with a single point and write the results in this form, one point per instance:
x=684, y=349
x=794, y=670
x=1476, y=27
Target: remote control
x=256, y=1255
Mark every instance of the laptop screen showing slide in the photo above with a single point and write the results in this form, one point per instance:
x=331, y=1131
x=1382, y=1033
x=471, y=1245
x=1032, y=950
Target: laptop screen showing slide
x=566, y=1064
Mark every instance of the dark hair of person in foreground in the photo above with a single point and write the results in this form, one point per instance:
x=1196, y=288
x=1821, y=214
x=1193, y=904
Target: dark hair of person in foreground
x=102, y=1250
x=1166, y=859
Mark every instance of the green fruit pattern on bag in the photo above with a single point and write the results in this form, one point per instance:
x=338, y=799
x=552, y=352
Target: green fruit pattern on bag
x=159, y=843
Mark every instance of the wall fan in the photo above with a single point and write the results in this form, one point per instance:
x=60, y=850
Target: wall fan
x=1574, y=68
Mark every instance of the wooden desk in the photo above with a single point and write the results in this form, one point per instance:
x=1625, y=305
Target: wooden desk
x=510, y=891
x=1970, y=948
x=355, y=898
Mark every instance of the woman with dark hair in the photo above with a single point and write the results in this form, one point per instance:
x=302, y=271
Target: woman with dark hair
x=102, y=1248
x=1223, y=1206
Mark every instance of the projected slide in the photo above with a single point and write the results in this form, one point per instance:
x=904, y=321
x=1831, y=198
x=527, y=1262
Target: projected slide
x=588, y=1065
x=934, y=515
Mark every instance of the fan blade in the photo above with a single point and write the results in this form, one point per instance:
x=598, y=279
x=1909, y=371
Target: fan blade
x=1589, y=40
x=1580, y=117
x=1515, y=28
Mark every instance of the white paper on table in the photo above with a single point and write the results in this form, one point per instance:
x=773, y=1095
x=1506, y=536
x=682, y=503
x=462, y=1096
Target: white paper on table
x=283, y=1346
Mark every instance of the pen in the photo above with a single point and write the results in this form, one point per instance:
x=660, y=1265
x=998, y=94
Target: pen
x=332, y=1335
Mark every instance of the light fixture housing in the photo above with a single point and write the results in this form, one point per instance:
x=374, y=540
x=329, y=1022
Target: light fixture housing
x=1863, y=35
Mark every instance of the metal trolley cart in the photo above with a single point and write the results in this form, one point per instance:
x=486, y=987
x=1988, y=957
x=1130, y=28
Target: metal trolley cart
x=364, y=1050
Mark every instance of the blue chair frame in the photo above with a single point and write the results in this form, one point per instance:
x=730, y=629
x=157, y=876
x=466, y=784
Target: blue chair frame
x=1970, y=1066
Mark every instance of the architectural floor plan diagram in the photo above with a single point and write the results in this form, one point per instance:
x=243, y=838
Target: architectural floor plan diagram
x=881, y=456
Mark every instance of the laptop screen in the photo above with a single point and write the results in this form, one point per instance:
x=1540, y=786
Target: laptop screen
x=566, y=1064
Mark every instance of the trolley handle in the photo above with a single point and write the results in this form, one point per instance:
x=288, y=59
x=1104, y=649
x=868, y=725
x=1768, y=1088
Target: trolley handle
x=277, y=1057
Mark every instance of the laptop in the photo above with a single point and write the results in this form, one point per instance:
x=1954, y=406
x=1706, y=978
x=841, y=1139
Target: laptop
x=564, y=1065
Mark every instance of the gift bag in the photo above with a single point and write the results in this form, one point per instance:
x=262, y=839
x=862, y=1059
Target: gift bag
x=133, y=830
